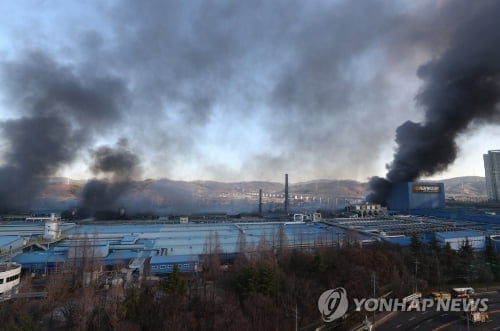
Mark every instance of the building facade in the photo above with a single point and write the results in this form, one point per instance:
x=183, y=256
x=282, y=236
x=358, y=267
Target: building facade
x=407, y=196
x=457, y=239
x=492, y=174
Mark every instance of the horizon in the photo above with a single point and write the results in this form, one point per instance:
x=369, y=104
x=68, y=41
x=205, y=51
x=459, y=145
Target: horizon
x=264, y=181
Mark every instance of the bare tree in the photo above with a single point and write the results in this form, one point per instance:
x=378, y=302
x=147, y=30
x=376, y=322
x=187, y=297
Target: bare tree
x=211, y=268
x=351, y=238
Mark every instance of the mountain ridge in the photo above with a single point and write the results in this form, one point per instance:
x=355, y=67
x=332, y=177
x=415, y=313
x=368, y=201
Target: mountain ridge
x=68, y=189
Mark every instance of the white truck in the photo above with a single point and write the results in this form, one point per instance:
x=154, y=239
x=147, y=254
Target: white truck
x=412, y=301
x=476, y=317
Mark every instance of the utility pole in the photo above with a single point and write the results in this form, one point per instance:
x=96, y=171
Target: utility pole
x=296, y=318
x=416, y=270
x=286, y=194
x=374, y=294
x=260, y=202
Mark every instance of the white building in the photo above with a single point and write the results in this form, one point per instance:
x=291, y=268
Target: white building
x=457, y=239
x=492, y=174
x=10, y=274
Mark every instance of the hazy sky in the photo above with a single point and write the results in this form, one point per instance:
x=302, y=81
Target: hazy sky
x=227, y=90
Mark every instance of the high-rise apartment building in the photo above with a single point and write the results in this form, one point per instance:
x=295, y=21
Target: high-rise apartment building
x=492, y=173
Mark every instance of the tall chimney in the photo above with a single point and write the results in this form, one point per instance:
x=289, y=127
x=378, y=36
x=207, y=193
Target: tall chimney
x=286, y=194
x=260, y=201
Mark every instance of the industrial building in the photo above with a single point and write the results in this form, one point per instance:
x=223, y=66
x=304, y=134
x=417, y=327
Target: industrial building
x=457, y=239
x=492, y=174
x=151, y=248
x=407, y=196
x=165, y=264
x=47, y=244
x=398, y=229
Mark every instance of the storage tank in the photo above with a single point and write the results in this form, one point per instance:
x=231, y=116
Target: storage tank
x=51, y=231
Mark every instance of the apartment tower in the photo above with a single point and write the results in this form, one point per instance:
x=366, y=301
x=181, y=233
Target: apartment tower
x=492, y=174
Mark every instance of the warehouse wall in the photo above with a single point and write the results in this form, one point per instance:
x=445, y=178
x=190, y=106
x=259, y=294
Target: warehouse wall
x=416, y=195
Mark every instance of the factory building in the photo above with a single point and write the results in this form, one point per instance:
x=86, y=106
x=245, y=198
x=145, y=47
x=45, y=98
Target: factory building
x=408, y=196
x=162, y=264
x=492, y=174
x=135, y=248
x=457, y=239
x=150, y=248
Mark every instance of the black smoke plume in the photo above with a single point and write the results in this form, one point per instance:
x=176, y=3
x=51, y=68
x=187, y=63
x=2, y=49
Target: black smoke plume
x=461, y=88
x=58, y=108
x=119, y=166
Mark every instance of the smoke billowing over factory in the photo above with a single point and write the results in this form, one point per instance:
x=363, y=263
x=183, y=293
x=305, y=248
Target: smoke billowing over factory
x=235, y=91
x=120, y=167
x=461, y=90
x=60, y=108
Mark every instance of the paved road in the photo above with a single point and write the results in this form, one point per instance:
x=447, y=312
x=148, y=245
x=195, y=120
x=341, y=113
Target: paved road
x=441, y=320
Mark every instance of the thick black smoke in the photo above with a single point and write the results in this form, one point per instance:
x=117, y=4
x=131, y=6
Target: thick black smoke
x=119, y=166
x=378, y=190
x=311, y=82
x=287, y=65
x=60, y=108
x=118, y=163
x=461, y=88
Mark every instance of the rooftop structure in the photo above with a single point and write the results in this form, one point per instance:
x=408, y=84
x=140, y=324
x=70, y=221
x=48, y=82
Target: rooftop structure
x=400, y=228
x=366, y=209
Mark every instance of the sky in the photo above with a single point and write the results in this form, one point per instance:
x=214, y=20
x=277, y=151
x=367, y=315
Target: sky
x=224, y=90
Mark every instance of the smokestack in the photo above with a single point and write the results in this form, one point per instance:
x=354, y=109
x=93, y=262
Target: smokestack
x=286, y=194
x=260, y=201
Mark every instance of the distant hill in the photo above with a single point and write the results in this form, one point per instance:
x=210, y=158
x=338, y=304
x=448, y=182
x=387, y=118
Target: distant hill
x=163, y=193
x=340, y=188
x=469, y=185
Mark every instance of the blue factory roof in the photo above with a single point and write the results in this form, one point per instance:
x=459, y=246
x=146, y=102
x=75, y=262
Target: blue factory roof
x=39, y=257
x=7, y=240
x=119, y=243
x=129, y=239
x=184, y=243
x=119, y=257
x=459, y=214
x=164, y=259
x=403, y=241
